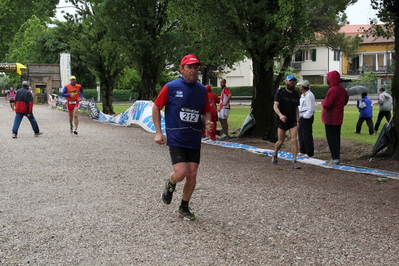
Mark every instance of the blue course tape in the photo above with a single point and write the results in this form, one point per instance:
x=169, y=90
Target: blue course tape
x=288, y=156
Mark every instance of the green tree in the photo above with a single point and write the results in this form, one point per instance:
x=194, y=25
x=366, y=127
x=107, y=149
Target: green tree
x=14, y=13
x=268, y=31
x=216, y=49
x=388, y=13
x=90, y=42
x=144, y=33
x=25, y=47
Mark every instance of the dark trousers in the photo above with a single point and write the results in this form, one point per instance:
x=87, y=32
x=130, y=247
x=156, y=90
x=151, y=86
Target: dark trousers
x=18, y=119
x=305, y=135
x=369, y=122
x=333, y=134
x=381, y=115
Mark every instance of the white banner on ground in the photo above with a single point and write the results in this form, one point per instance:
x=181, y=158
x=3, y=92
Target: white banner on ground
x=140, y=113
x=313, y=161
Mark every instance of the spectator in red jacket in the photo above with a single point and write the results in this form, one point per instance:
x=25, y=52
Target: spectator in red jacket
x=213, y=101
x=333, y=114
x=24, y=107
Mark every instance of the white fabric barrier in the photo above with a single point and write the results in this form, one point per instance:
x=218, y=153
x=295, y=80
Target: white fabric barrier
x=140, y=113
x=314, y=161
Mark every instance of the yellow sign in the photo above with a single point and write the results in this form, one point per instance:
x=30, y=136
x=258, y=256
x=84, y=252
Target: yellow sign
x=12, y=67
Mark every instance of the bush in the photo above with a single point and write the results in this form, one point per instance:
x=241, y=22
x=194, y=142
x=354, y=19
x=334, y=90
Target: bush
x=122, y=95
x=119, y=95
x=319, y=91
x=235, y=91
x=91, y=93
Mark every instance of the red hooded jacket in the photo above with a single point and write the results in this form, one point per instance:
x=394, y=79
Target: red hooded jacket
x=213, y=100
x=336, y=98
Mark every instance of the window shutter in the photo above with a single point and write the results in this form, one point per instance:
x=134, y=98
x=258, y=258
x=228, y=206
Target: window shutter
x=298, y=56
x=313, y=54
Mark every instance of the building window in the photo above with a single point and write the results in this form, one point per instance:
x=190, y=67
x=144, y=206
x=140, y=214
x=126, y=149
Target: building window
x=309, y=55
x=298, y=56
x=337, y=55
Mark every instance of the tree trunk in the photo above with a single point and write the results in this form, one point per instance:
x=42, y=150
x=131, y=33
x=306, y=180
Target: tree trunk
x=205, y=75
x=262, y=102
x=395, y=88
x=149, y=83
x=107, y=97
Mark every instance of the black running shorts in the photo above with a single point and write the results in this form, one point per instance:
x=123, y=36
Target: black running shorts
x=184, y=155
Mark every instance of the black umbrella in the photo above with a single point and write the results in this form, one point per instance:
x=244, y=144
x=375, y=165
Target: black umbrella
x=385, y=138
x=357, y=90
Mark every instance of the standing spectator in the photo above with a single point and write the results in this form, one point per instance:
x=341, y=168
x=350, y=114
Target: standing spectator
x=286, y=103
x=385, y=102
x=11, y=97
x=333, y=114
x=213, y=101
x=224, y=109
x=307, y=108
x=185, y=100
x=73, y=93
x=365, y=107
x=24, y=107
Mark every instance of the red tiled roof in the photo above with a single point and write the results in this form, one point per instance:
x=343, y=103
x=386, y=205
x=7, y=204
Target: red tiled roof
x=358, y=30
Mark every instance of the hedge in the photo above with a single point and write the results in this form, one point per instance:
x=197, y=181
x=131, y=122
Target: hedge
x=319, y=91
x=119, y=95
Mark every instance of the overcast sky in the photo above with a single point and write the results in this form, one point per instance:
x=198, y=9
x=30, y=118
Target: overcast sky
x=358, y=13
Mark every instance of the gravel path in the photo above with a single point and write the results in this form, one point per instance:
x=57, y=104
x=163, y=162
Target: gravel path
x=94, y=199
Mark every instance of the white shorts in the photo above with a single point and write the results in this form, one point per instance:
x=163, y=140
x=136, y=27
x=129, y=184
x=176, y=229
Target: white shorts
x=224, y=113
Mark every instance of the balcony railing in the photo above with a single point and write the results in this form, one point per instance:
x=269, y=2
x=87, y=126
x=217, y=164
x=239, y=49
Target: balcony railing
x=381, y=69
x=297, y=66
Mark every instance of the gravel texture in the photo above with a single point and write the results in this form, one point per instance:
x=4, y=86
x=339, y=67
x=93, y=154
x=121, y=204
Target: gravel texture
x=94, y=199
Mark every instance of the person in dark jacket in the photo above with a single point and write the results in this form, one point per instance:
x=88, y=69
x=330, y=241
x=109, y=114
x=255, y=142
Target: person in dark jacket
x=24, y=107
x=365, y=107
x=332, y=114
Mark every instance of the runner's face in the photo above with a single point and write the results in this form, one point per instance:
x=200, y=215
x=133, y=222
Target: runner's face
x=190, y=72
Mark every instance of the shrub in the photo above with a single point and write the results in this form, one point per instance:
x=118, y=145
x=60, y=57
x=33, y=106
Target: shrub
x=319, y=90
x=122, y=95
x=91, y=93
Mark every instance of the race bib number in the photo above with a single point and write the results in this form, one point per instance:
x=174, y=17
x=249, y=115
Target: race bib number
x=189, y=115
x=72, y=102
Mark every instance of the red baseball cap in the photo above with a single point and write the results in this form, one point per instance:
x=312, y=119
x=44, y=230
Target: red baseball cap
x=189, y=60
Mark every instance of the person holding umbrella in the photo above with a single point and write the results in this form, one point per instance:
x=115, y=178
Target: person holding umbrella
x=365, y=107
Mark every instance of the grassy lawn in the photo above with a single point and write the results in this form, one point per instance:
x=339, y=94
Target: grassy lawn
x=239, y=113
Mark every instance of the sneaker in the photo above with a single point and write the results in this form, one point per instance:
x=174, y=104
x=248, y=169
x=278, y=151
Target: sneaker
x=168, y=193
x=223, y=136
x=356, y=132
x=14, y=136
x=301, y=154
x=205, y=138
x=75, y=132
x=333, y=162
x=274, y=159
x=38, y=134
x=296, y=166
x=71, y=128
x=186, y=214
